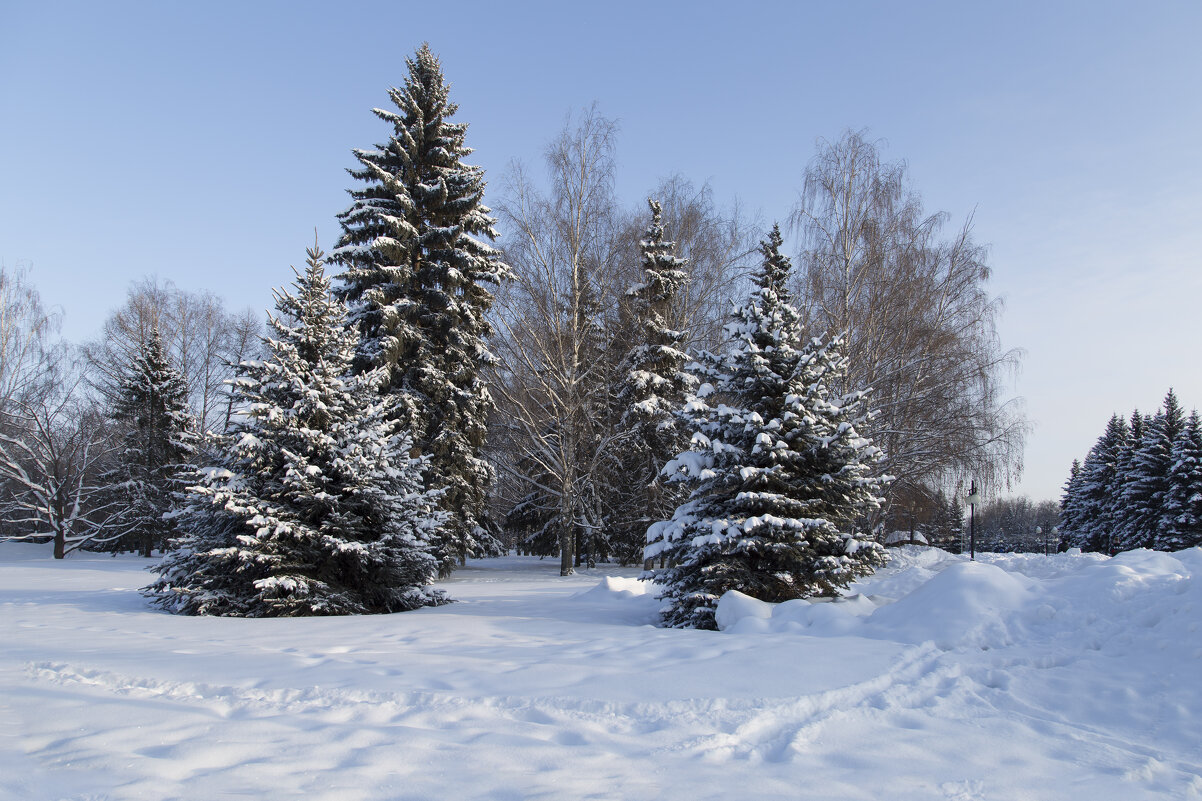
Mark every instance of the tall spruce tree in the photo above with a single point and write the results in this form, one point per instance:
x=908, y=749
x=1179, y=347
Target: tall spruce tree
x=779, y=474
x=1118, y=512
x=1071, y=506
x=1099, y=512
x=417, y=277
x=1146, y=482
x=318, y=508
x=652, y=384
x=1181, y=513
x=159, y=444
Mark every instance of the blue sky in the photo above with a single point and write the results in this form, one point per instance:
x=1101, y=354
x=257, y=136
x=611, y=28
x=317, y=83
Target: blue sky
x=204, y=143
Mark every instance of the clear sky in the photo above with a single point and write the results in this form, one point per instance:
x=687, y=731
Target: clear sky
x=204, y=143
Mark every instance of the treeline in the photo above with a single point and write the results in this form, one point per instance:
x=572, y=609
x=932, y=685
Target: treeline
x=1000, y=525
x=1140, y=485
x=1018, y=525
x=82, y=428
x=438, y=394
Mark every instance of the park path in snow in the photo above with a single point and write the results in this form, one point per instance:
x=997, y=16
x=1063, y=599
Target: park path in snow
x=1016, y=677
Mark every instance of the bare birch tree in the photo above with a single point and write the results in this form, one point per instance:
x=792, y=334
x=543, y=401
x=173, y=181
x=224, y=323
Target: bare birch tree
x=52, y=449
x=565, y=249
x=563, y=329
x=31, y=362
x=244, y=342
x=920, y=323
x=29, y=351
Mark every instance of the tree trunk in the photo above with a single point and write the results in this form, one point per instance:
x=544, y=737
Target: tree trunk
x=567, y=535
x=59, y=507
x=651, y=493
x=566, y=541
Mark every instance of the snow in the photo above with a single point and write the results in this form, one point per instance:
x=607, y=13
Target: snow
x=899, y=537
x=1013, y=677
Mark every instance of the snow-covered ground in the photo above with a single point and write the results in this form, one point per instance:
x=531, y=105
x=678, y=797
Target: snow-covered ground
x=1015, y=677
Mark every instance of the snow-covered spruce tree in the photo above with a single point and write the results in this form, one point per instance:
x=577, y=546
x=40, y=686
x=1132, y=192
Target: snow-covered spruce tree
x=319, y=508
x=1147, y=481
x=1096, y=516
x=158, y=447
x=1071, y=506
x=652, y=385
x=778, y=472
x=1118, y=511
x=416, y=279
x=1181, y=513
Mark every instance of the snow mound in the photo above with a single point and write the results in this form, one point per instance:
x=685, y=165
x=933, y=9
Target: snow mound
x=619, y=600
x=738, y=610
x=618, y=586
x=742, y=614
x=963, y=604
x=927, y=595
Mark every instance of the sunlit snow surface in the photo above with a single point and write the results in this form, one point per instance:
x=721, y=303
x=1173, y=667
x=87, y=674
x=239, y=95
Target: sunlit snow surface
x=1017, y=677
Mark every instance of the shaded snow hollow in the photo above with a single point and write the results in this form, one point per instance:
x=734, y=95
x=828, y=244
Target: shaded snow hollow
x=1014, y=677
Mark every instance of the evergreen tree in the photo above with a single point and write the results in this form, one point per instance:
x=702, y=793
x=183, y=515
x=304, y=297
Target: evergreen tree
x=1098, y=512
x=532, y=521
x=652, y=386
x=318, y=508
x=1181, y=520
x=946, y=528
x=779, y=474
x=416, y=279
x=1070, y=506
x=1119, y=513
x=158, y=445
x=955, y=516
x=1146, y=482
x=848, y=486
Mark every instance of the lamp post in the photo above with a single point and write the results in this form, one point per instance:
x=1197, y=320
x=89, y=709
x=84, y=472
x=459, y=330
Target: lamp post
x=1039, y=533
x=973, y=499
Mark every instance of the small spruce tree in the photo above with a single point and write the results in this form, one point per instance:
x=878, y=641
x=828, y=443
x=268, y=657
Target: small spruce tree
x=159, y=444
x=318, y=508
